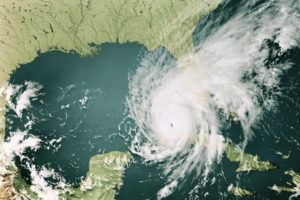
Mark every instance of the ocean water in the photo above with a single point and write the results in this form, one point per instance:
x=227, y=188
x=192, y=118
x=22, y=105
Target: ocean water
x=77, y=112
x=80, y=109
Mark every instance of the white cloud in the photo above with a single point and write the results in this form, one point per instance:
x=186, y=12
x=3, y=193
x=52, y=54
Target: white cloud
x=23, y=100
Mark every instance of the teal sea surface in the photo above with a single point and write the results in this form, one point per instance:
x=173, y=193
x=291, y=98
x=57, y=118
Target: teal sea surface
x=81, y=106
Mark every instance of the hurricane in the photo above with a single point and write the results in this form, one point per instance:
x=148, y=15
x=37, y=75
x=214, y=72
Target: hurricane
x=181, y=107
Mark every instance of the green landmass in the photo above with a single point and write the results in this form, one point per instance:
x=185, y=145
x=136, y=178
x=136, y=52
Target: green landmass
x=104, y=176
x=286, y=156
x=33, y=26
x=14, y=187
x=294, y=184
x=234, y=153
x=23, y=188
x=247, y=161
x=240, y=192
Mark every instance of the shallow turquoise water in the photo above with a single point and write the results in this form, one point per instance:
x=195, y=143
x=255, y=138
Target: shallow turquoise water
x=92, y=127
x=88, y=127
x=82, y=103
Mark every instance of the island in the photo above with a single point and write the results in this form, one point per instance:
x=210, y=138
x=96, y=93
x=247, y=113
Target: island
x=294, y=184
x=29, y=28
x=239, y=192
